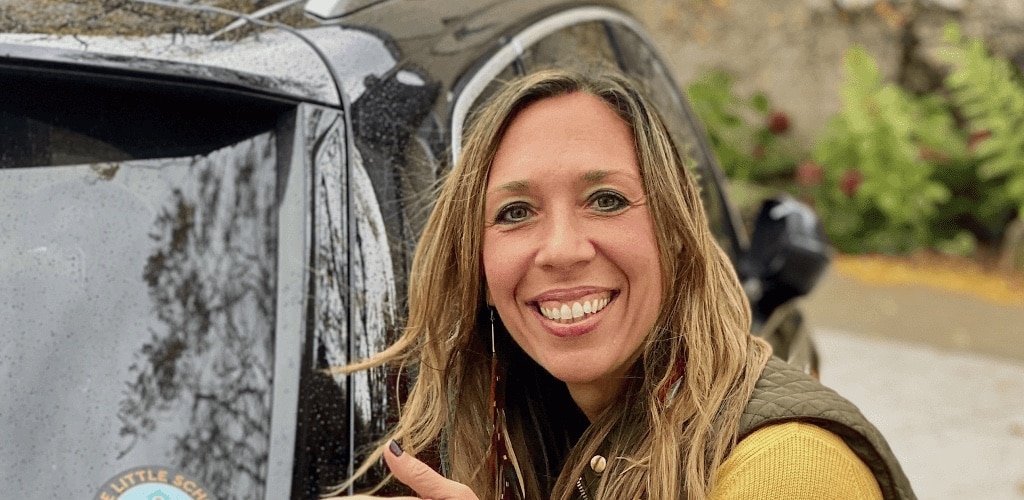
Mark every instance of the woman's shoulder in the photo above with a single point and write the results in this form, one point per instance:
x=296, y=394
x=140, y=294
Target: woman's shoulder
x=794, y=460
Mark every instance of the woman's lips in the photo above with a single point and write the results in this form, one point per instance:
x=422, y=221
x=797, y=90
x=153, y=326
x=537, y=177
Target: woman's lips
x=573, y=325
x=572, y=311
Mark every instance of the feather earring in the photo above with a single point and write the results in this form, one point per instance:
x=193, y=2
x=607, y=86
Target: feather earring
x=504, y=466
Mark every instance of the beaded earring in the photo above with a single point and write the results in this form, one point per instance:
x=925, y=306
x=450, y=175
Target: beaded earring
x=504, y=466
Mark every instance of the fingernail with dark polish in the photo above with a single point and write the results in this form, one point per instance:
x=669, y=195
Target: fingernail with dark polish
x=396, y=450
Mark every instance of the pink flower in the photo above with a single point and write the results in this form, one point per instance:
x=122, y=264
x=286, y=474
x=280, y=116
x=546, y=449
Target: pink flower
x=809, y=174
x=778, y=122
x=850, y=182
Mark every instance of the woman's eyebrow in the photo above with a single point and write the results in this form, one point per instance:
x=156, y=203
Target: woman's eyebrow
x=522, y=186
x=595, y=176
x=514, y=187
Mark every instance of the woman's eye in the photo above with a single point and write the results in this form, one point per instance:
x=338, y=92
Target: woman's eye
x=608, y=201
x=512, y=214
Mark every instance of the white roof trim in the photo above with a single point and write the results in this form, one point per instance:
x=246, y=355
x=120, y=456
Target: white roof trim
x=515, y=47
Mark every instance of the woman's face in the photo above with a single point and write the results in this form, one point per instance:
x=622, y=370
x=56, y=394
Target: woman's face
x=569, y=250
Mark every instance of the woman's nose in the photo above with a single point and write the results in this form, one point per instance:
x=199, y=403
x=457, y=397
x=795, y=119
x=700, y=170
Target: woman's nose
x=564, y=242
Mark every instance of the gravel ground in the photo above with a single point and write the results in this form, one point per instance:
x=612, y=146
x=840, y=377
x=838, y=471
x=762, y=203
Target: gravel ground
x=954, y=419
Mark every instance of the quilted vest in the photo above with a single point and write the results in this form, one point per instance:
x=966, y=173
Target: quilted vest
x=784, y=393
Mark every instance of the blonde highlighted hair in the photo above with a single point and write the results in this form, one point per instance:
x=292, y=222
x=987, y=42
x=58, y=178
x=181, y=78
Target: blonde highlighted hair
x=676, y=419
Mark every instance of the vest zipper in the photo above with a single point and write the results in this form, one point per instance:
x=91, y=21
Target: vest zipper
x=582, y=489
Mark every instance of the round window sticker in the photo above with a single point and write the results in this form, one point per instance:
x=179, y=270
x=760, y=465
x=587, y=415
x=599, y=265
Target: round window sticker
x=152, y=483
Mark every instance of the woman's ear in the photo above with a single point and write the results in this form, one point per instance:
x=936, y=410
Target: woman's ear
x=487, y=295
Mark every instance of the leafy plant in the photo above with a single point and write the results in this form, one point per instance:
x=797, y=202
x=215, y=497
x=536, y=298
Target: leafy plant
x=879, y=192
x=746, y=135
x=894, y=172
x=989, y=93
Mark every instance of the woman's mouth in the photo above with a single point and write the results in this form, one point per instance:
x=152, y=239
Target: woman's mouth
x=574, y=311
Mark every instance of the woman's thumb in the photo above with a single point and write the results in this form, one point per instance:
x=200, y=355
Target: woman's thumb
x=421, y=478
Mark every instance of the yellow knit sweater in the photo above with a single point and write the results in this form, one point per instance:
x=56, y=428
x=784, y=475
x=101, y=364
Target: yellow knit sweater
x=794, y=461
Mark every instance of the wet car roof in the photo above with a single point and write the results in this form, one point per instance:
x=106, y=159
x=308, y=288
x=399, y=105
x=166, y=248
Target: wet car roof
x=439, y=38
x=274, y=65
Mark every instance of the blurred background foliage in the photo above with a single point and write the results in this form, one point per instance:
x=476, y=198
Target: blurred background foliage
x=894, y=171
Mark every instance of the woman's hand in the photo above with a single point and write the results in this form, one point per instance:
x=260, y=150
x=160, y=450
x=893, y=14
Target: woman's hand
x=417, y=475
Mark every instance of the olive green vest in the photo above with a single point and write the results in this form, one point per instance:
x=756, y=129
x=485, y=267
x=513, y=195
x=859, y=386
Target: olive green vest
x=784, y=393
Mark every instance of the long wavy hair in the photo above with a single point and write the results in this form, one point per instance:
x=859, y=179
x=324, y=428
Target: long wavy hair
x=676, y=418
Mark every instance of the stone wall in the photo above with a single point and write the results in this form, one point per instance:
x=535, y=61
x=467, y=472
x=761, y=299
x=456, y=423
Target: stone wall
x=793, y=49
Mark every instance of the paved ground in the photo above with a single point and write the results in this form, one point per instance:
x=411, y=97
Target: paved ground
x=955, y=420
x=958, y=321
x=940, y=373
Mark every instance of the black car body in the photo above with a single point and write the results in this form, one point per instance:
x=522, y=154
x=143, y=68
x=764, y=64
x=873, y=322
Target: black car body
x=195, y=230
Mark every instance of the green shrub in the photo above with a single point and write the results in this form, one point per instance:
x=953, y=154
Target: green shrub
x=747, y=136
x=893, y=172
x=880, y=192
x=903, y=171
x=989, y=93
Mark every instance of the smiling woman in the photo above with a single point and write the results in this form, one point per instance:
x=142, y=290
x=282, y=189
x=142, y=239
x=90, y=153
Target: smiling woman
x=576, y=332
x=569, y=251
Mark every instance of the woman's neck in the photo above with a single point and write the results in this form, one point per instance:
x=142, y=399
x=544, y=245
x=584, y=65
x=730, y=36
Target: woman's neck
x=594, y=397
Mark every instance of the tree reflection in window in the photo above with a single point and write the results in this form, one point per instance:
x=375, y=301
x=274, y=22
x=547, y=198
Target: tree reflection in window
x=211, y=281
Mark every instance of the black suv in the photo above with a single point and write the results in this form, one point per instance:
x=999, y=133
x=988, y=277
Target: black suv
x=194, y=230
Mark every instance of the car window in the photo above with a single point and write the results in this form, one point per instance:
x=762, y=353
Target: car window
x=55, y=124
x=477, y=92
x=507, y=74
x=585, y=44
x=354, y=300
x=137, y=288
x=368, y=204
x=641, y=62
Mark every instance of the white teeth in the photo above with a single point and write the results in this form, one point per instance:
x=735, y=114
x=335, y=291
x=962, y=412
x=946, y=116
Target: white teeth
x=577, y=310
